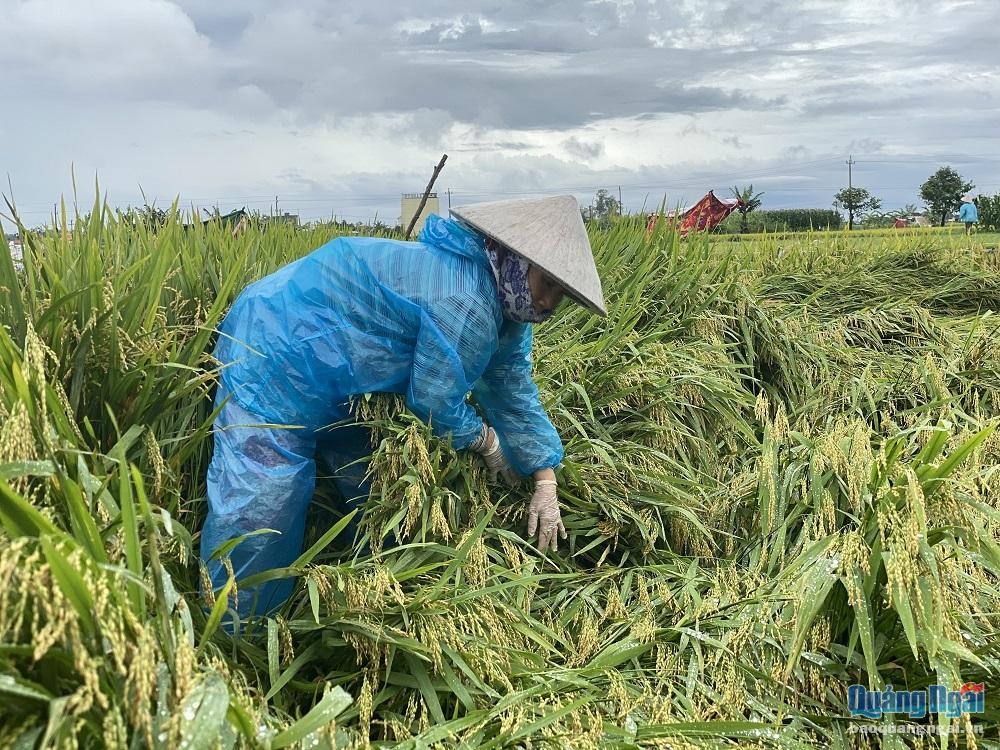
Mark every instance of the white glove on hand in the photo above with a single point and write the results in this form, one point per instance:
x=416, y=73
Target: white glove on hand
x=487, y=445
x=543, y=514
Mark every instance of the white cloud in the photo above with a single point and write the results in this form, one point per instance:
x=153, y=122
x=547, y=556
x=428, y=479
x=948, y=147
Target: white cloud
x=102, y=46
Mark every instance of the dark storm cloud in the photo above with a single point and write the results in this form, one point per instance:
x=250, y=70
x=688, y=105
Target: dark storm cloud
x=586, y=27
x=552, y=65
x=526, y=65
x=476, y=146
x=582, y=149
x=499, y=97
x=222, y=27
x=523, y=65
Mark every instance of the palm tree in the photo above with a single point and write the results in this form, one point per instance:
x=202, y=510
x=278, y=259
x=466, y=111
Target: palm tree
x=749, y=201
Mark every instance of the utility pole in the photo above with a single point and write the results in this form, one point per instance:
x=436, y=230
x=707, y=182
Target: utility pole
x=449, y=199
x=275, y=205
x=850, y=185
x=621, y=208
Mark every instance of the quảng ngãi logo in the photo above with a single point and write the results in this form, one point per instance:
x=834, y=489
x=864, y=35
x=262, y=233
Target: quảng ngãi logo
x=916, y=704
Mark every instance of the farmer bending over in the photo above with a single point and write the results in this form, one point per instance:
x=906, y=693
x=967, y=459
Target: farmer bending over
x=433, y=320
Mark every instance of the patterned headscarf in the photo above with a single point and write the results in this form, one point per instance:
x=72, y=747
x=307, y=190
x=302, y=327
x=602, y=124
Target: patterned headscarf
x=511, y=273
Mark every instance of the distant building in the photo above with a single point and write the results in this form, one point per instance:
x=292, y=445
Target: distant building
x=16, y=252
x=237, y=221
x=16, y=248
x=408, y=208
x=286, y=218
x=231, y=219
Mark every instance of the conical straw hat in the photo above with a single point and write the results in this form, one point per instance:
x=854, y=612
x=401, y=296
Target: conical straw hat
x=549, y=232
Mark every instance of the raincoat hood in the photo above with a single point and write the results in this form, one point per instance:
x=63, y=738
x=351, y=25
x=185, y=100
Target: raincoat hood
x=549, y=233
x=452, y=236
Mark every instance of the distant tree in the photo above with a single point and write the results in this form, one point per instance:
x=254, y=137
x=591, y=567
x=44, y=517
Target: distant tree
x=605, y=207
x=149, y=216
x=943, y=191
x=855, y=200
x=877, y=219
x=882, y=219
x=989, y=212
x=749, y=202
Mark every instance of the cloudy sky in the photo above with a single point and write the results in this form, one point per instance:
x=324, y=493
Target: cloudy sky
x=338, y=107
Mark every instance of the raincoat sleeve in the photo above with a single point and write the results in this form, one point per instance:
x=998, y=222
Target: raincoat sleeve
x=455, y=338
x=508, y=396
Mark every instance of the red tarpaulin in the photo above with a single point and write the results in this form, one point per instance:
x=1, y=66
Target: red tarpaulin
x=702, y=216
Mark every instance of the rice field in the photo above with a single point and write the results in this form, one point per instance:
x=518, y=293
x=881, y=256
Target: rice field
x=781, y=480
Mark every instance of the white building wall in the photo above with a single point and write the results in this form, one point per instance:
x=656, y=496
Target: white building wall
x=408, y=208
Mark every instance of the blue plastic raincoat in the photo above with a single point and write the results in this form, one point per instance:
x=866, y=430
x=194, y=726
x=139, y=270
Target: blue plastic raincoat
x=358, y=315
x=968, y=213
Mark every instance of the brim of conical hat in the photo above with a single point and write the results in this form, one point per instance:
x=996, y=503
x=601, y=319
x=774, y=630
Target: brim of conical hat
x=548, y=232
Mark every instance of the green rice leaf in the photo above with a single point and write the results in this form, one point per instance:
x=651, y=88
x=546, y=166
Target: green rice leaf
x=326, y=710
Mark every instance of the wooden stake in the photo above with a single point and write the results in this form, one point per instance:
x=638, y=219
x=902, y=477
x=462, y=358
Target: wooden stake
x=423, y=200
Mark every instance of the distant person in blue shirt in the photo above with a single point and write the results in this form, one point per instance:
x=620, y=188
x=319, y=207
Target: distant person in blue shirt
x=968, y=213
x=434, y=321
